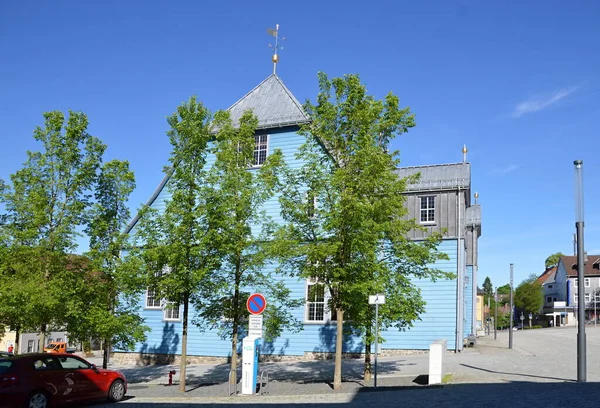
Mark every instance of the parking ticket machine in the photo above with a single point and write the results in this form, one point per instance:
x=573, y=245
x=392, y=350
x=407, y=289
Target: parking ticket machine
x=250, y=352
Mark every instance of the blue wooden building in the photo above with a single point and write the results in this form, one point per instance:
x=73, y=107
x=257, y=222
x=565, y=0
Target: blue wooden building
x=440, y=201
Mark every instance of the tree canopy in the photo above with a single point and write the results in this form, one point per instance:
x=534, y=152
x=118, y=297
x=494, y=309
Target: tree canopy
x=553, y=259
x=345, y=212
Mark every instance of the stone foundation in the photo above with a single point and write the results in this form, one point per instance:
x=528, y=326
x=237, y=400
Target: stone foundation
x=151, y=359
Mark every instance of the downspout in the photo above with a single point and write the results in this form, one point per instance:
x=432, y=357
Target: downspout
x=474, y=278
x=459, y=278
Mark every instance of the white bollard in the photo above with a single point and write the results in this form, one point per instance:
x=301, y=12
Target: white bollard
x=437, y=361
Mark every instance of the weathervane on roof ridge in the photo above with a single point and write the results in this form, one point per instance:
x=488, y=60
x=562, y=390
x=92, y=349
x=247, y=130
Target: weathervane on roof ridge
x=277, y=47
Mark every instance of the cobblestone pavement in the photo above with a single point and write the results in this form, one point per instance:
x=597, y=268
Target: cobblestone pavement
x=540, y=371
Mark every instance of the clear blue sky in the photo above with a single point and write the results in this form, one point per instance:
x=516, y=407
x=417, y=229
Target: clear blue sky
x=518, y=83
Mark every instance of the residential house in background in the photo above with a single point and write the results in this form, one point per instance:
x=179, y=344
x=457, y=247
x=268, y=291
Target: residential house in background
x=479, y=315
x=568, y=268
x=440, y=201
x=555, y=311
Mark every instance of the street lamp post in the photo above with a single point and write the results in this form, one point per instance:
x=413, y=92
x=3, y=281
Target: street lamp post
x=581, y=343
x=496, y=314
x=510, y=327
x=530, y=317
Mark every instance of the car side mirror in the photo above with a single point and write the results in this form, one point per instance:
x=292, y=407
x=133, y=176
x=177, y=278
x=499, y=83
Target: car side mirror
x=93, y=367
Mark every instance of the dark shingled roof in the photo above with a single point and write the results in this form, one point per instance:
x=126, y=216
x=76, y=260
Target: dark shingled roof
x=272, y=103
x=592, y=266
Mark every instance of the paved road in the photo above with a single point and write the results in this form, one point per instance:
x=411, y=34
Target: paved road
x=540, y=371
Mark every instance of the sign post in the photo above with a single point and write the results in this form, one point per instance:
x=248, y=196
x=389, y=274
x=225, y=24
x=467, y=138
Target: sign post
x=256, y=304
x=376, y=300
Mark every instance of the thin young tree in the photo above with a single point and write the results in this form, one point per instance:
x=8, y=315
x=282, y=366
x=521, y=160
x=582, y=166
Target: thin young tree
x=177, y=244
x=111, y=313
x=238, y=191
x=346, y=213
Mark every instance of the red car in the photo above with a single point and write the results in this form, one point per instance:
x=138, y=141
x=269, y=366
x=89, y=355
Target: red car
x=42, y=380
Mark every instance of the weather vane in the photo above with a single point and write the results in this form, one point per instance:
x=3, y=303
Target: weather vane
x=275, y=33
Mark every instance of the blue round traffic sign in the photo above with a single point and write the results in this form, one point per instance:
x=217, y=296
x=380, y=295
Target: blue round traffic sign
x=256, y=303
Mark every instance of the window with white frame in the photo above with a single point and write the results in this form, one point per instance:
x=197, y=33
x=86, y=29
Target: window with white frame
x=315, y=301
x=576, y=299
x=170, y=311
x=597, y=297
x=588, y=297
x=152, y=300
x=576, y=282
x=260, y=149
x=427, y=209
x=587, y=282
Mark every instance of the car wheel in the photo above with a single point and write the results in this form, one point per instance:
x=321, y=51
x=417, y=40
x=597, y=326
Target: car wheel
x=117, y=391
x=38, y=399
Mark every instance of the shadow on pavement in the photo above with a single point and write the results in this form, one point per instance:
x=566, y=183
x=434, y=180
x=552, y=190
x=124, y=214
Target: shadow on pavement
x=501, y=395
x=518, y=374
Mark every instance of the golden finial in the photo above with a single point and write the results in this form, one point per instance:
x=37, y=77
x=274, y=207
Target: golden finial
x=277, y=47
x=476, y=196
x=464, y=151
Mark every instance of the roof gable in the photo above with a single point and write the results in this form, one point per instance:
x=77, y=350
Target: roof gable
x=272, y=103
x=592, y=265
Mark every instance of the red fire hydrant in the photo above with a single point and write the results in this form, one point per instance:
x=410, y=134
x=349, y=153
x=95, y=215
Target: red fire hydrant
x=171, y=373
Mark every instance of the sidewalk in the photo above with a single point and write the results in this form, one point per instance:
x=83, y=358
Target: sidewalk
x=544, y=356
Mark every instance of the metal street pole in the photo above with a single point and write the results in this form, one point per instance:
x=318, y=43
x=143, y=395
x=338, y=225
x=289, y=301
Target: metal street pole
x=496, y=315
x=489, y=313
x=510, y=327
x=581, y=343
x=376, y=339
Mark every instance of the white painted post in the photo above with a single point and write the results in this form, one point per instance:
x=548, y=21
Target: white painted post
x=437, y=361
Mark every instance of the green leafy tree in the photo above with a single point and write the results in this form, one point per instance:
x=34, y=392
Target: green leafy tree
x=553, y=259
x=112, y=308
x=529, y=296
x=245, y=237
x=45, y=205
x=345, y=212
x=488, y=289
x=177, y=245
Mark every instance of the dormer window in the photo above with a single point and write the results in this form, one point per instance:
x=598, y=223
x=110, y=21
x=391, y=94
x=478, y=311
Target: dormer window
x=260, y=149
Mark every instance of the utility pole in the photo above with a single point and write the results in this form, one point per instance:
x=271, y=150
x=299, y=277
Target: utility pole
x=510, y=333
x=581, y=343
x=496, y=314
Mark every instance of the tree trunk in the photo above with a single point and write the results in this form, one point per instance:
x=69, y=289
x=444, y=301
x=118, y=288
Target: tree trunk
x=236, y=320
x=182, y=368
x=42, y=338
x=337, y=374
x=106, y=353
x=17, y=335
x=367, y=373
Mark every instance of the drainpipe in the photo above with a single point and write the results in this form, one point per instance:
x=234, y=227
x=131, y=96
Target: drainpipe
x=474, y=288
x=459, y=277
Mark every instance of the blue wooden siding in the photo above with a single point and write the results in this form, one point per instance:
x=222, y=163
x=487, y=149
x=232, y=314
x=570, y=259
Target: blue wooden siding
x=468, y=329
x=438, y=322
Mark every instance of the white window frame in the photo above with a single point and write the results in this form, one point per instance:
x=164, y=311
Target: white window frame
x=256, y=153
x=587, y=282
x=588, y=298
x=429, y=208
x=169, y=311
x=576, y=299
x=156, y=302
x=327, y=314
x=576, y=282
x=597, y=297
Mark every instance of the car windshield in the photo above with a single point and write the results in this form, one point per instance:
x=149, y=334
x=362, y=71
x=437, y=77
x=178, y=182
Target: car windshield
x=5, y=366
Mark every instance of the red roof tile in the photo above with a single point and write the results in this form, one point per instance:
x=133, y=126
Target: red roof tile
x=549, y=272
